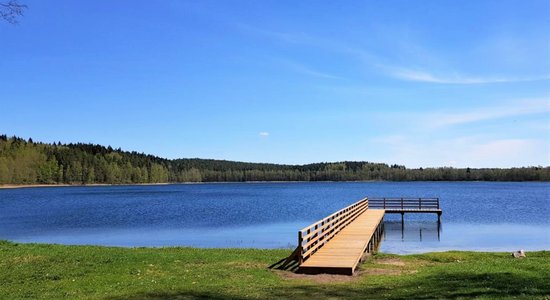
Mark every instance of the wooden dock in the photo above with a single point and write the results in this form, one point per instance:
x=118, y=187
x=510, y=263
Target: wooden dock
x=338, y=243
x=346, y=250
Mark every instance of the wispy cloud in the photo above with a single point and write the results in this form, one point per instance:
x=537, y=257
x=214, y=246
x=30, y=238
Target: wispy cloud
x=303, y=69
x=381, y=62
x=264, y=134
x=429, y=140
x=294, y=37
x=320, y=43
x=422, y=76
x=528, y=113
x=462, y=151
x=288, y=37
x=515, y=109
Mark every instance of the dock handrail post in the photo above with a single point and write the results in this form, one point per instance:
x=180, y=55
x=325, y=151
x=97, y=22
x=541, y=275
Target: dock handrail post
x=401, y=203
x=384, y=203
x=300, y=253
x=437, y=203
x=419, y=203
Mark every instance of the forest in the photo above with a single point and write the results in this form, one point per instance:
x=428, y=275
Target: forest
x=28, y=162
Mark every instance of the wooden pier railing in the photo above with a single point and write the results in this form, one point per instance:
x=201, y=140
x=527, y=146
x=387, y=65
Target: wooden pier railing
x=403, y=205
x=316, y=235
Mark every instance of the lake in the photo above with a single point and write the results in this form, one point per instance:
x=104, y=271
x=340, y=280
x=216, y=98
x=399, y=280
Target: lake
x=483, y=216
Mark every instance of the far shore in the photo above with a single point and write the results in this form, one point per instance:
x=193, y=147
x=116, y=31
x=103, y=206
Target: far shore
x=19, y=186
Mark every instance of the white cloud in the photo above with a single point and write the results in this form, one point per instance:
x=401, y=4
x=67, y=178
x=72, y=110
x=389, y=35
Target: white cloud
x=422, y=76
x=426, y=142
x=519, y=108
x=501, y=149
x=466, y=151
x=527, y=114
x=264, y=134
x=409, y=50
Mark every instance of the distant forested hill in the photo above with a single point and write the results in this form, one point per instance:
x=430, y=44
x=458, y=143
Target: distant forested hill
x=28, y=162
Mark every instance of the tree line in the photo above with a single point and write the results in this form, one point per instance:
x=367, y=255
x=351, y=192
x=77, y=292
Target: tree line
x=28, y=162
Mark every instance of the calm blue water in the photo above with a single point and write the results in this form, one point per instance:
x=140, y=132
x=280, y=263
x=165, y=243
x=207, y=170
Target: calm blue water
x=476, y=215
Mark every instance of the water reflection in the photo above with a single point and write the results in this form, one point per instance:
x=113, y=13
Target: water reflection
x=412, y=231
x=275, y=235
x=428, y=236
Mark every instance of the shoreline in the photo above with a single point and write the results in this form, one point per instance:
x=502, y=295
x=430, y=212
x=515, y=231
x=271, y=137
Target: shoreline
x=19, y=186
x=290, y=249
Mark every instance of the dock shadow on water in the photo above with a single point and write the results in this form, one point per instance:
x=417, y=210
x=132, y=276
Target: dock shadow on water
x=412, y=231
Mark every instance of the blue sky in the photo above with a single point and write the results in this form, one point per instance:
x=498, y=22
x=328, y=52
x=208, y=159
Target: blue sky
x=419, y=83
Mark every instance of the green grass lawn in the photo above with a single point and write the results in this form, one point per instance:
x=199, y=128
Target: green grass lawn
x=56, y=271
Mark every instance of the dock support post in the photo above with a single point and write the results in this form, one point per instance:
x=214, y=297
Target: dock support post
x=402, y=226
x=438, y=226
